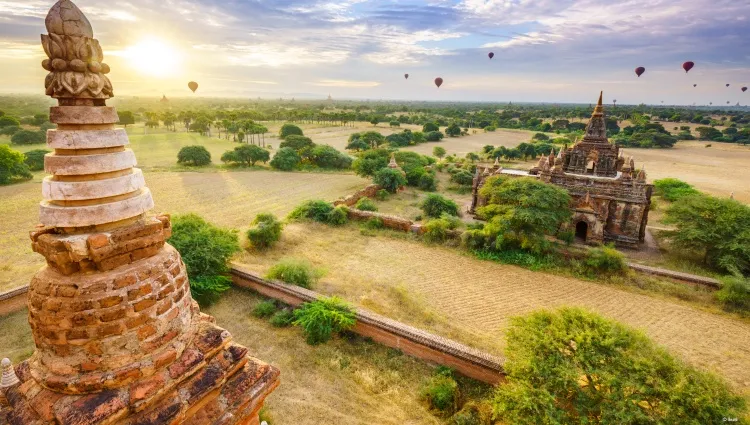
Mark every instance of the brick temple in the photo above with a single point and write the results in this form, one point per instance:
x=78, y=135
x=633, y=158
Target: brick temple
x=611, y=199
x=119, y=339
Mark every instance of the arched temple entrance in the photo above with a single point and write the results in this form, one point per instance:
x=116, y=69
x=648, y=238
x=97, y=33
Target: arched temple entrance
x=582, y=230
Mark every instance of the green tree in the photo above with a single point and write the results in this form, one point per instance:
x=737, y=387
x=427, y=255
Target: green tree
x=298, y=143
x=325, y=156
x=395, y=124
x=438, y=152
x=28, y=137
x=433, y=136
x=430, y=126
x=12, y=166
x=195, y=155
x=708, y=133
x=571, y=366
x=521, y=212
x=673, y=189
x=8, y=121
x=369, y=162
x=266, y=231
x=286, y=159
x=435, y=206
x=9, y=130
x=375, y=120
x=389, y=179
x=289, y=130
x=453, y=130
x=246, y=154
x=35, y=159
x=125, y=118
x=717, y=229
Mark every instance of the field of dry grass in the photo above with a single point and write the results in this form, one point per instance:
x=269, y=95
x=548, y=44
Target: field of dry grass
x=230, y=199
x=337, y=383
x=475, y=142
x=410, y=281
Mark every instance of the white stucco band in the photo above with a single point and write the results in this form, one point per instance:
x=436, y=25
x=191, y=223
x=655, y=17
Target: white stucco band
x=93, y=189
x=90, y=215
x=86, y=139
x=76, y=165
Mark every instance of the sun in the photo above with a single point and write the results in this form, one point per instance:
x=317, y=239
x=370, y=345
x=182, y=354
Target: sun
x=152, y=56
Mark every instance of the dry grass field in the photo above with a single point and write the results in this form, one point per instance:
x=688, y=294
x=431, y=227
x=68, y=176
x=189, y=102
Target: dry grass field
x=475, y=142
x=410, y=281
x=230, y=199
x=336, y=383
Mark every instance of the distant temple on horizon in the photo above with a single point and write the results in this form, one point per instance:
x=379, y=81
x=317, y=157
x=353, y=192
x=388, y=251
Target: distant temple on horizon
x=610, y=198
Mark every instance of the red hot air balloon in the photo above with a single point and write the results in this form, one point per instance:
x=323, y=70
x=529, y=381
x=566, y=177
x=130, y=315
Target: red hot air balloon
x=687, y=66
x=193, y=86
x=744, y=89
x=695, y=85
x=438, y=82
x=491, y=55
x=406, y=76
x=727, y=84
x=639, y=71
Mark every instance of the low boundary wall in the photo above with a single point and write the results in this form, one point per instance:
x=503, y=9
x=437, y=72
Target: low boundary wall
x=685, y=277
x=13, y=300
x=412, y=341
x=368, y=192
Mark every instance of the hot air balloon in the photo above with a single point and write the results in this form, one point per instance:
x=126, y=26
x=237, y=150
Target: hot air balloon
x=727, y=84
x=727, y=102
x=491, y=55
x=744, y=89
x=406, y=76
x=193, y=86
x=438, y=82
x=687, y=66
x=639, y=71
x=695, y=85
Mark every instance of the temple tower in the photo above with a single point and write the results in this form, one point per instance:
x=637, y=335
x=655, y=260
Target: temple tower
x=119, y=339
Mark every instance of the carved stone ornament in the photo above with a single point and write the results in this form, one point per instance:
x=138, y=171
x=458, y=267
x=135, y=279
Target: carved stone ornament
x=75, y=59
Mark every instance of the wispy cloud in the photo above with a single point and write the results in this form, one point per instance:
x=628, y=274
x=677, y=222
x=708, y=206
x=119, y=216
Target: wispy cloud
x=345, y=83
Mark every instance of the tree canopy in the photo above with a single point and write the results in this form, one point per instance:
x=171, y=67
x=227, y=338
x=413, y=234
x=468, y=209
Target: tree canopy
x=12, y=166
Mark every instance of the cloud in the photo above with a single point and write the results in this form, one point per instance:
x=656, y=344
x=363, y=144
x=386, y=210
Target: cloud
x=531, y=38
x=345, y=83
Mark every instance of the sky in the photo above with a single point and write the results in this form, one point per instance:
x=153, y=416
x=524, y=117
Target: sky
x=545, y=50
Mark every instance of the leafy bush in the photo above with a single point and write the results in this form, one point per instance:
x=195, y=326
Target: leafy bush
x=28, y=137
x=441, y=393
x=389, y=179
x=294, y=272
x=673, y=189
x=205, y=249
x=369, y=162
x=246, y=154
x=8, y=121
x=735, y=293
x=570, y=364
x=374, y=223
x=288, y=130
x=315, y=210
x=282, y=318
x=322, y=318
x=47, y=126
x=436, y=205
x=195, y=155
x=366, y=204
x=9, y=130
x=430, y=126
x=436, y=230
x=473, y=413
x=286, y=159
x=604, y=260
x=266, y=232
x=381, y=195
x=35, y=159
x=12, y=166
x=338, y=216
x=264, y=309
x=438, y=151
x=427, y=182
x=567, y=236
x=298, y=143
x=434, y=136
x=462, y=177
x=325, y=156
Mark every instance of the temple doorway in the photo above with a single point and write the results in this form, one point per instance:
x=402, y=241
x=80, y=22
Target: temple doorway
x=582, y=230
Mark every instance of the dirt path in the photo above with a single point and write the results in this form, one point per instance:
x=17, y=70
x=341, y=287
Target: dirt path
x=481, y=296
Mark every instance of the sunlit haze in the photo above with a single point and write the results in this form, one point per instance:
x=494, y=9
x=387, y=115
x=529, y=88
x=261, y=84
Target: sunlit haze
x=545, y=50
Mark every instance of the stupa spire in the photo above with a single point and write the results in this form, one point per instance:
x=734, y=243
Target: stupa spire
x=596, y=129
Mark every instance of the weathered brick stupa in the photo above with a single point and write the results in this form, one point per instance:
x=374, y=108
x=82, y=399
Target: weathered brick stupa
x=119, y=339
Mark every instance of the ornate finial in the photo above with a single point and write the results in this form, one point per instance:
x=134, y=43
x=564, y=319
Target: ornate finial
x=9, y=377
x=393, y=163
x=599, y=103
x=497, y=162
x=74, y=56
x=486, y=171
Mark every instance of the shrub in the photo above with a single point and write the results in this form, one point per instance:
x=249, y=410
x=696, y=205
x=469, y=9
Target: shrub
x=604, y=260
x=35, y=159
x=673, y=189
x=567, y=236
x=570, y=364
x=266, y=232
x=389, y=179
x=374, y=223
x=8, y=121
x=325, y=156
x=298, y=143
x=735, y=293
x=473, y=413
x=436, y=231
x=28, y=137
x=12, y=166
x=194, y=155
x=338, y=216
x=205, y=249
x=436, y=205
x=315, y=210
x=264, y=309
x=370, y=162
x=427, y=182
x=322, y=318
x=246, y=155
x=381, y=195
x=438, y=151
x=282, y=318
x=47, y=126
x=434, y=136
x=286, y=159
x=366, y=204
x=288, y=130
x=462, y=177
x=9, y=130
x=441, y=393
x=294, y=272
x=430, y=126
